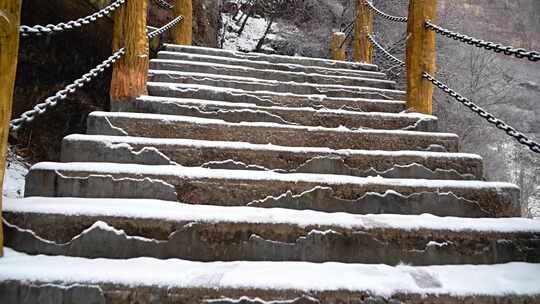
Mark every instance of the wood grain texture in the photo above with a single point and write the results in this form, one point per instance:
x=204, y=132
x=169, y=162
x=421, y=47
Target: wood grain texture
x=420, y=55
x=10, y=18
x=363, y=49
x=131, y=71
x=183, y=32
x=337, y=49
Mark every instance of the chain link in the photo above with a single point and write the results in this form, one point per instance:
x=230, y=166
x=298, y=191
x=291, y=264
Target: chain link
x=39, y=30
x=520, y=137
x=490, y=46
x=164, y=4
x=384, y=52
x=383, y=14
x=166, y=27
x=51, y=101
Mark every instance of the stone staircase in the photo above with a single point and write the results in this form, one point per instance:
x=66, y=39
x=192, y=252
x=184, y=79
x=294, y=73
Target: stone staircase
x=252, y=178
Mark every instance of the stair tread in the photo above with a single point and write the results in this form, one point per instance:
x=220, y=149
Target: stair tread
x=377, y=280
x=166, y=55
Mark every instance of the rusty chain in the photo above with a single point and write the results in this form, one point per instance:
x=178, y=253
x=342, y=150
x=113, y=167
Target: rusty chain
x=520, y=137
x=48, y=29
x=166, y=27
x=384, y=52
x=383, y=14
x=164, y=4
x=490, y=46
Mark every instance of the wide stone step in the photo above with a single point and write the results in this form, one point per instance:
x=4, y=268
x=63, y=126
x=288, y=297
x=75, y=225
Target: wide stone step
x=330, y=193
x=245, y=156
x=160, y=229
x=271, y=58
x=28, y=279
x=243, y=112
x=267, y=98
x=267, y=74
x=265, y=65
x=172, y=126
x=257, y=84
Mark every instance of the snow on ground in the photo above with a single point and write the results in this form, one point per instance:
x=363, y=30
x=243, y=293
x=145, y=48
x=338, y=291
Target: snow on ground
x=16, y=170
x=534, y=207
x=253, y=31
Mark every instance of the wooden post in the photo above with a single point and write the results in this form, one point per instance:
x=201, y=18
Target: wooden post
x=183, y=32
x=420, y=55
x=131, y=71
x=363, y=49
x=10, y=20
x=338, y=52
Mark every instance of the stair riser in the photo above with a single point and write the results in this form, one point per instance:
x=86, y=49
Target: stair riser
x=362, y=198
x=269, y=74
x=34, y=292
x=277, y=99
x=236, y=114
x=262, y=65
x=283, y=136
x=405, y=166
x=273, y=58
x=199, y=241
x=284, y=87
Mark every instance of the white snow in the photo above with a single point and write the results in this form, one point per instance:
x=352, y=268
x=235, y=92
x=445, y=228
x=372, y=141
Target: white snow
x=268, y=147
x=16, y=170
x=327, y=179
x=253, y=31
x=208, y=121
x=381, y=280
x=178, y=212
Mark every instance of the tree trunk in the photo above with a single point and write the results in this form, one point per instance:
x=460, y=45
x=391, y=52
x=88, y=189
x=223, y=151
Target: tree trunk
x=261, y=41
x=10, y=18
x=245, y=22
x=130, y=73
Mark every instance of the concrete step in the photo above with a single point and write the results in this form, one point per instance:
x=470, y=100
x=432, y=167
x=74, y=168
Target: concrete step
x=329, y=193
x=245, y=156
x=267, y=98
x=267, y=74
x=258, y=84
x=244, y=112
x=160, y=229
x=172, y=126
x=265, y=65
x=271, y=58
x=29, y=279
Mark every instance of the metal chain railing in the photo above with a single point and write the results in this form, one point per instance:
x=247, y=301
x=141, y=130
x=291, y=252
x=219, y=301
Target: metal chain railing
x=166, y=27
x=48, y=29
x=383, y=14
x=164, y=4
x=384, y=52
x=52, y=101
x=520, y=137
x=490, y=46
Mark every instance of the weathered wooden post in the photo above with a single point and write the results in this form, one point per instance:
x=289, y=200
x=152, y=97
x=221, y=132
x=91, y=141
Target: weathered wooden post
x=183, y=32
x=363, y=49
x=420, y=55
x=131, y=71
x=337, y=50
x=10, y=20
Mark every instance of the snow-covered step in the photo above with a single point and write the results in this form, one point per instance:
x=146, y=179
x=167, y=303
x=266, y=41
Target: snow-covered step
x=29, y=279
x=246, y=156
x=267, y=74
x=271, y=58
x=323, y=192
x=265, y=65
x=268, y=98
x=174, y=126
x=258, y=84
x=245, y=112
x=161, y=229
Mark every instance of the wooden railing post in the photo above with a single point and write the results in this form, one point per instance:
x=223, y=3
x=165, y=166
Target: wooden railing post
x=337, y=49
x=420, y=55
x=131, y=71
x=10, y=20
x=183, y=32
x=363, y=49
